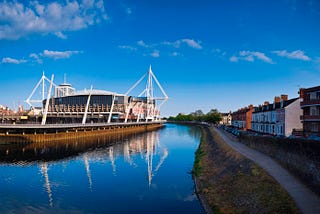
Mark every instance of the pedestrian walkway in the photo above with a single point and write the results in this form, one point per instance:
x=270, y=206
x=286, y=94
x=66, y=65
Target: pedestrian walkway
x=306, y=200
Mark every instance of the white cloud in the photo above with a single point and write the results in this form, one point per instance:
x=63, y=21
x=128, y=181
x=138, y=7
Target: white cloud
x=38, y=57
x=217, y=52
x=251, y=56
x=60, y=35
x=128, y=11
x=35, y=58
x=127, y=47
x=59, y=54
x=12, y=60
x=298, y=54
x=155, y=54
x=192, y=43
x=189, y=42
x=142, y=44
x=175, y=54
x=234, y=59
x=20, y=20
x=166, y=47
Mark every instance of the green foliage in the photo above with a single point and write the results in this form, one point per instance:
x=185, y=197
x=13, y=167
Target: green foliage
x=197, y=166
x=213, y=116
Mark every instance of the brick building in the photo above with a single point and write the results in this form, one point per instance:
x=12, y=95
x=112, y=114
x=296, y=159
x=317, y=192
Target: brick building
x=311, y=110
x=242, y=118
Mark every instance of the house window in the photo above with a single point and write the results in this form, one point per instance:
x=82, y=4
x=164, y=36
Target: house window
x=315, y=95
x=314, y=111
x=314, y=127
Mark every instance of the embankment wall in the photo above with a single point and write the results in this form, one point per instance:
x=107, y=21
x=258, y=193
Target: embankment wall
x=79, y=133
x=301, y=157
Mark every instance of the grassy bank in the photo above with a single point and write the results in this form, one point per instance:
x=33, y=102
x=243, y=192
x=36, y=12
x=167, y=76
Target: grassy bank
x=227, y=182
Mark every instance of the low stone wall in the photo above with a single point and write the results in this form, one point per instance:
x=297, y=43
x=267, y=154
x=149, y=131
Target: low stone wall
x=299, y=156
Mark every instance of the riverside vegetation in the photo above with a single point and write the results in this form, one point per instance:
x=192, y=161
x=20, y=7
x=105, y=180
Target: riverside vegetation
x=213, y=116
x=231, y=183
x=226, y=181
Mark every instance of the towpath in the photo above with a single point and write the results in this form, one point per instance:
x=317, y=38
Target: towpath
x=306, y=200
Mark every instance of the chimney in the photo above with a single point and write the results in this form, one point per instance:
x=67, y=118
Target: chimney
x=284, y=97
x=277, y=99
x=301, y=92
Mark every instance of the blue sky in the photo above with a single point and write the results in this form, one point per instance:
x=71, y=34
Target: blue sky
x=220, y=54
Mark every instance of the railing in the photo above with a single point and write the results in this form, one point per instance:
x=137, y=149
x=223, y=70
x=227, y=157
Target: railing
x=310, y=117
x=310, y=102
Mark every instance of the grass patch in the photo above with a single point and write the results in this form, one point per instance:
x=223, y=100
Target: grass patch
x=197, y=168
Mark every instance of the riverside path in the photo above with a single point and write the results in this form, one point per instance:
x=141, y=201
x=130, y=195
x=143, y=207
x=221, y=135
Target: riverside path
x=306, y=200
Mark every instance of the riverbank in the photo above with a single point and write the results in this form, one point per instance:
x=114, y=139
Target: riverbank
x=227, y=182
x=51, y=132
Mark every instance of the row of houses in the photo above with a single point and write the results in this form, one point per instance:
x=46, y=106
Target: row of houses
x=298, y=116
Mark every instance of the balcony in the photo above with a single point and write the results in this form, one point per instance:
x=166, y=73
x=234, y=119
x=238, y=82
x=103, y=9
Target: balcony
x=310, y=117
x=310, y=103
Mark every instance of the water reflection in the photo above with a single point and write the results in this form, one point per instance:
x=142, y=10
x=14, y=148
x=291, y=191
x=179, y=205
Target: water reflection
x=28, y=153
x=86, y=163
x=44, y=171
x=94, y=175
x=105, y=148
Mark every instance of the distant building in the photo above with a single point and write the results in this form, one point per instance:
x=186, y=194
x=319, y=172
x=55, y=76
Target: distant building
x=278, y=118
x=5, y=110
x=242, y=118
x=310, y=106
x=63, y=90
x=226, y=119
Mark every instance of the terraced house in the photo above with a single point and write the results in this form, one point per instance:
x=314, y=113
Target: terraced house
x=279, y=118
x=241, y=118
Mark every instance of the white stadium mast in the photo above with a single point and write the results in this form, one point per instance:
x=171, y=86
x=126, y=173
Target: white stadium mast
x=42, y=83
x=152, y=109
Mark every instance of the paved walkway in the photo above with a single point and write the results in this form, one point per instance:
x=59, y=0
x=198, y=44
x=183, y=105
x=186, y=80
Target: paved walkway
x=306, y=200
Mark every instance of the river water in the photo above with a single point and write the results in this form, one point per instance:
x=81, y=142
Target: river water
x=141, y=173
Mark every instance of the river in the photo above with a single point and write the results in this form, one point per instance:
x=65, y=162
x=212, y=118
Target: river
x=139, y=173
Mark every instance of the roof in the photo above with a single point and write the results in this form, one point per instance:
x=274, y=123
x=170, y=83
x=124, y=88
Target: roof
x=95, y=92
x=288, y=102
x=315, y=88
x=273, y=106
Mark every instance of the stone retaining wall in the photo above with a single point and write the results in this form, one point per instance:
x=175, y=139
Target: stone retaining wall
x=301, y=157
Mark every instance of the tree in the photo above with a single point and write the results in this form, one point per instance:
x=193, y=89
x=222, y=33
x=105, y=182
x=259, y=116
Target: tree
x=213, y=116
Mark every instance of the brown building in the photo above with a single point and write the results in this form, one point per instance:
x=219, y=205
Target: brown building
x=311, y=110
x=242, y=118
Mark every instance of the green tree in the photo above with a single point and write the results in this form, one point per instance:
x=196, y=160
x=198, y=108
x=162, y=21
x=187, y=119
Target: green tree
x=213, y=116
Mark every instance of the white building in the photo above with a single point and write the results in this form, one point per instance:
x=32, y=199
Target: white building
x=63, y=90
x=278, y=118
x=226, y=119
